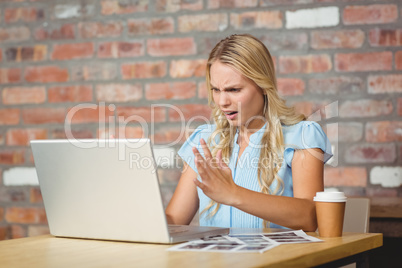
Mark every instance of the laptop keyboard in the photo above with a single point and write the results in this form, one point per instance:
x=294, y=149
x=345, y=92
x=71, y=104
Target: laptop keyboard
x=174, y=229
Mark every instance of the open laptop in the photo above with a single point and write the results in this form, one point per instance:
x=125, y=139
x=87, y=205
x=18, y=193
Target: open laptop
x=106, y=189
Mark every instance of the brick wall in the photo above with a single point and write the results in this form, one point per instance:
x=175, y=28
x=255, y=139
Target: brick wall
x=339, y=62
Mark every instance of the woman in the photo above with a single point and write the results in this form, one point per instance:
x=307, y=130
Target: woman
x=260, y=162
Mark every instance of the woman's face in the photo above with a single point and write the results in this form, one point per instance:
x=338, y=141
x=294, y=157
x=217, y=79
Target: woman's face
x=239, y=98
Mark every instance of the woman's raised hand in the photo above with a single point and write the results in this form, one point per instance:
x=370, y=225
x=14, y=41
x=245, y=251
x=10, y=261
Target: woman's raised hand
x=217, y=182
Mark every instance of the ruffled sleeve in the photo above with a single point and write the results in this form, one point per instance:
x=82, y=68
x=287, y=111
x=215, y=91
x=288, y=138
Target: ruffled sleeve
x=186, y=153
x=305, y=135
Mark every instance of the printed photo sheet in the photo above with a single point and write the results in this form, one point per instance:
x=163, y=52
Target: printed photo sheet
x=252, y=242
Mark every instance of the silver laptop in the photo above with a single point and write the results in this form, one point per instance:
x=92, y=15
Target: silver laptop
x=106, y=189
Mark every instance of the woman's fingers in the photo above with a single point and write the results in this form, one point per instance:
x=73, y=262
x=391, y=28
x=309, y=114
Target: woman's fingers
x=199, y=184
x=205, y=149
x=200, y=162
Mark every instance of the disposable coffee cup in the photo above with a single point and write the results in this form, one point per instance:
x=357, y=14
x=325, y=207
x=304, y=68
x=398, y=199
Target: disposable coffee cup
x=330, y=209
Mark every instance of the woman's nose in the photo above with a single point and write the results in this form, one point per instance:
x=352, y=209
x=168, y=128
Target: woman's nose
x=224, y=99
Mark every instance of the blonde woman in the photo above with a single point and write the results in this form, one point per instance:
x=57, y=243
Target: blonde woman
x=260, y=163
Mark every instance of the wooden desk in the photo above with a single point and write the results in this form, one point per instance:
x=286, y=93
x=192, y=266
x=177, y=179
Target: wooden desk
x=49, y=251
x=386, y=216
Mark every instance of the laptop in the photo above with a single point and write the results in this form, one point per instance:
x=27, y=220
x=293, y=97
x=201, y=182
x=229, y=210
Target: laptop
x=108, y=190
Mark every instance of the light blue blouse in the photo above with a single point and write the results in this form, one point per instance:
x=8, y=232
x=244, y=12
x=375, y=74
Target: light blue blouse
x=303, y=135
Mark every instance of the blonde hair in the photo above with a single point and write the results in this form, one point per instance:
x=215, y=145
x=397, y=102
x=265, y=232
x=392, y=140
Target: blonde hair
x=251, y=58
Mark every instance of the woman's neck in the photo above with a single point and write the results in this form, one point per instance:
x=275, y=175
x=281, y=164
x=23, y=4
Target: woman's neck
x=246, y=132
x=251, y=128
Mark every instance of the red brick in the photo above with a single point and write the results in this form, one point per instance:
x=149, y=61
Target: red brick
x=345, y=176
x=43, y=115
x=317, y=110
x=89, y=114
x=45, y=74
x=174, y=6
x=119, y=92
x=72, y=51
x=35, y=53
x=26, y=215
x=120, y=49
x=360, y=62
x=1, y=54
x=125, y=132
x=168, y=135
x=35, y=230
x=4, y=232
x=337, y=39
x=73, y=10
x=193, y=112
x=64, y=32
x=381, y=192
x=304, y=107
x=204, y=22
x=202, y=90
x=370, y=14
x=336, y=85
x=206, y=44
x=399, y=107
x=10, y=75
x=214, y=4
x=12, y=157
x=384, y=131
x=23, y=95
x=345, y=132
x=370, y=153
x=100, y=29
x=178, y=90
x=9, y=116
x=144, y=70
x=398, y=60
x=13, y=194
x=153, y=114
x=305, y=64
x=22, y=137
x=365, y=108
x=77, y=134
x=1, y=218
x=256, y=20
x=290, y=86
x=171, y=46
x=25, y=14
x=379, y=84
x=17, y=231
x=110, y=7
x=14, y=34
x=150, y=26
x=80, y=93
x=385, y=37
x=35, y=195
x=188, y=68
x=95, y=71
x=284, y=41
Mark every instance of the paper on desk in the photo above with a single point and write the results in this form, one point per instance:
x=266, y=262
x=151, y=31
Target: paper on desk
x=253, y=242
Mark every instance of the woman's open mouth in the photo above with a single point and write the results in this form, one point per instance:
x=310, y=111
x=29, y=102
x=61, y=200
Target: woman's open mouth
x=231, y=114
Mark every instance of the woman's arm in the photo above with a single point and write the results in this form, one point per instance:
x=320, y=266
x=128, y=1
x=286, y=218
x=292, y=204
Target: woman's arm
x=184, y=203
x=296, y=212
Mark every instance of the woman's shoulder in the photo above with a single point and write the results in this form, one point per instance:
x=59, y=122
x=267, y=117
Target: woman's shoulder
x=300, y=127
x=303, y=133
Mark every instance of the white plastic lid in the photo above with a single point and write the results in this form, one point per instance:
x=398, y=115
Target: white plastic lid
x=330, y=197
